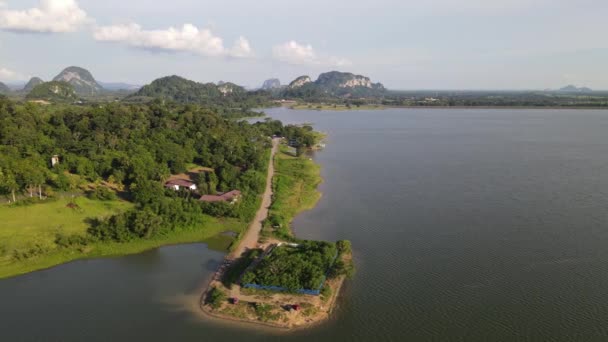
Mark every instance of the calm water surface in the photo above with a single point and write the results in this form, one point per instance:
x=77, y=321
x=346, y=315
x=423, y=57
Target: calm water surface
x=467, y=225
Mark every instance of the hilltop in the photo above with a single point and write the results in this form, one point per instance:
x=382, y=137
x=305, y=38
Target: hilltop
x=334, y=84
x=54, y=91
x=33, y=82
x=81, y=80
x=227, y=98
x=181, y=90
x=271, y=84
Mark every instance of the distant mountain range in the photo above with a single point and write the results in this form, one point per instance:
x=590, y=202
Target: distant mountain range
x=333, y=84
x=116, y=86
x=574, y=89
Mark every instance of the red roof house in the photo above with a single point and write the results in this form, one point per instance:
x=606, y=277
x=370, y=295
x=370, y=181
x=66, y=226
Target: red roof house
x=229, y=197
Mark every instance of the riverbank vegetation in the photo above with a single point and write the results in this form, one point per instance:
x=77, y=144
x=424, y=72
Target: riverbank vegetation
x=294, y=268
x=447, y=99
x=294, y=190
x=117, y=154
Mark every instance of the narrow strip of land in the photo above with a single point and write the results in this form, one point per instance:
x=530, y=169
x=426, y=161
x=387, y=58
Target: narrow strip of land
x=252, y=235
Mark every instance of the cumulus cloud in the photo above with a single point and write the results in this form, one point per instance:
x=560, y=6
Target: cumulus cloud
x=50, y=16
x=241, y=48
x=293, y=52
x=188, y=38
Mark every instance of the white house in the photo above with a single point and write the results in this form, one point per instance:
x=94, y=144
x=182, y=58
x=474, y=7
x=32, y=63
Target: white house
x=54, y=160
x=178, y=184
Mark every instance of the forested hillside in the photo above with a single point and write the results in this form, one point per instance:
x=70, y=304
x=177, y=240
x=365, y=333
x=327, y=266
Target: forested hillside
x=129, y=151
x=227, y=99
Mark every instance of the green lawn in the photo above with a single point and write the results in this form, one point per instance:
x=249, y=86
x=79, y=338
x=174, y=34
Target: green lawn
x=26, y=226
x=295, y=189
x=23, y=228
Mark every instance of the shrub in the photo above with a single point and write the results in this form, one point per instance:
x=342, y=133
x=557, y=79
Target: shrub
x=326, y=292
x=66, y=241
x=37, y=250
x=216, y=298
x=344, y=247
x=341, y=268
x=102, y=193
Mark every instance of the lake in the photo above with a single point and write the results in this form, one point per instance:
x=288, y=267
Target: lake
x=467, y=225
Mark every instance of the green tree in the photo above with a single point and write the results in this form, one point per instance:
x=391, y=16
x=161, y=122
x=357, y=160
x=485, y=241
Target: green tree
x=8, y=184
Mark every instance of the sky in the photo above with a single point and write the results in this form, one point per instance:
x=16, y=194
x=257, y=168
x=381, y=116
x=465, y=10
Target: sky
x=423, y=44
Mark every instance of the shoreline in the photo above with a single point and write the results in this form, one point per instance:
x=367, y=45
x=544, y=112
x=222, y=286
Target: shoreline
x=107, y=252
x=316, y=309
x=384, y=107
x=249, y=323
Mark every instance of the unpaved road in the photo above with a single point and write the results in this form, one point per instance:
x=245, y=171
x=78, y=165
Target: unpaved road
x=250, y=240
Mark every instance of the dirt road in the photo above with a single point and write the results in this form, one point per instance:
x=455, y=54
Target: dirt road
x=250, y=240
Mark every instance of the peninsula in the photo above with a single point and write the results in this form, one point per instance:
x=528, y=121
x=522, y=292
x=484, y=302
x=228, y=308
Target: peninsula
x=272, y=278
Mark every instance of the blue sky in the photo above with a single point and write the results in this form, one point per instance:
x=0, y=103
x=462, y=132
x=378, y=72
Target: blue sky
x=432, y=44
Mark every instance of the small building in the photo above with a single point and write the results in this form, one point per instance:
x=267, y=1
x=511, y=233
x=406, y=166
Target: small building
x=228, y=197
x=54, y=160
x=179, y=184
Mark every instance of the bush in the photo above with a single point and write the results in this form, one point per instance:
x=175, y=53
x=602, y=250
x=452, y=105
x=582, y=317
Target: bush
x=66, y=241
x=264, y=313
x=239, y=266
x=216, y=298
x=326, y=292
x=102, y=193
x=37, y=250
x=344, y=247
x=341, y=268
x=218, y=209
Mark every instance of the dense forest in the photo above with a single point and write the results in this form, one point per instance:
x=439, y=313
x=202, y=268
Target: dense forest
x=129, y=150
x=294, y=268
x=227, y=99
x=303, y=267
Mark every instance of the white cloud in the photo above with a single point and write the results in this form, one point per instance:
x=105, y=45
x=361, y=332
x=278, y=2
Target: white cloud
x=293, y=52
x=10, y=75
x=188, y=38
x=241, y=48
x=51, y=16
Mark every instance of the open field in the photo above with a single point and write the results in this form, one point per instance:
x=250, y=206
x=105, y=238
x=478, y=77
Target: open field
x=25, y=226
x=34, y=228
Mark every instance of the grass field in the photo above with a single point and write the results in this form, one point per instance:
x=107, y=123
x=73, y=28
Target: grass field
x=36, y=226
x=295, y=190
x=26, y=226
